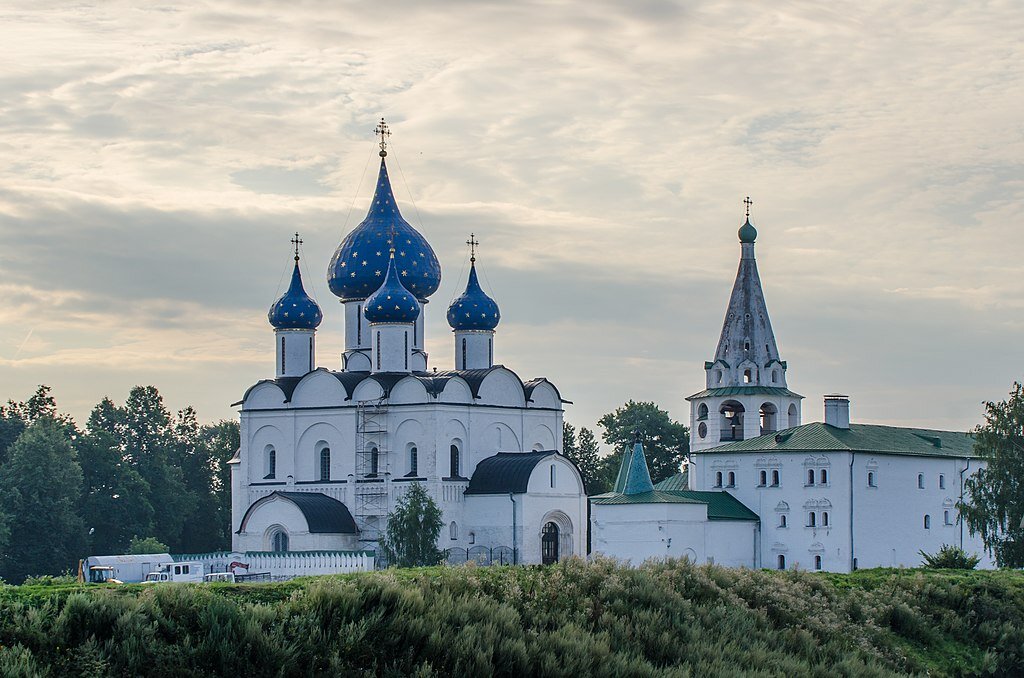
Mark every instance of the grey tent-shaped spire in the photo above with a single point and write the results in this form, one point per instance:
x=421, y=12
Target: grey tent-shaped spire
x=747, y=331
x=634, y=476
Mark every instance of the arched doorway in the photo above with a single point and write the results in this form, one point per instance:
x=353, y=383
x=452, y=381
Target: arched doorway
x=549, y=544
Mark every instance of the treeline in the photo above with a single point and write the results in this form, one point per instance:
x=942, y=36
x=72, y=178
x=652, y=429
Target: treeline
x=132, y=471
x=571, y=619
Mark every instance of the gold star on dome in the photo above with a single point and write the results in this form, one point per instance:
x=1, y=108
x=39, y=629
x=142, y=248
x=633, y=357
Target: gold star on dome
x=405, y=273
x=344, y=264
x=377, y=273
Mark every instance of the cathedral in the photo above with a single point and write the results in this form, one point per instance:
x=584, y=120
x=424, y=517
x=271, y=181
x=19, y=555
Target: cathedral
x=326, y=454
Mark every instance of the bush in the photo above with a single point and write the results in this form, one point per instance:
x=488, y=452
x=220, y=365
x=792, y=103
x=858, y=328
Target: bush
x=51, y=580
x=140, y=546
x=950, y=557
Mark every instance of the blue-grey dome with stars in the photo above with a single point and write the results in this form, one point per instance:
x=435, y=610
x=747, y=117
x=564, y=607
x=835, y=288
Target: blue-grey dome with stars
x=295, y=310
x=391, y=303
x=359, y=264
x=473, y=309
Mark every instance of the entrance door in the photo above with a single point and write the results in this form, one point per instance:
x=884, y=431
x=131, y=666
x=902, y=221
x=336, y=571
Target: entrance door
x=549, y=544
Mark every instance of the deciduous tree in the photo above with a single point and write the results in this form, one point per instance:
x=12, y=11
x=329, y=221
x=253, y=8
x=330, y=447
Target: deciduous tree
x=411, y=536
x=666, y=441
x=42, y=482
x=994, y=501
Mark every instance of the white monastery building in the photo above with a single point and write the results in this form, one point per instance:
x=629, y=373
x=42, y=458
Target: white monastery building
x=327, y=453
x=830, y=496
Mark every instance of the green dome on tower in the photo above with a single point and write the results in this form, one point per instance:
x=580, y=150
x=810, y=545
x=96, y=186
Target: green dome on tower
x=748, y=233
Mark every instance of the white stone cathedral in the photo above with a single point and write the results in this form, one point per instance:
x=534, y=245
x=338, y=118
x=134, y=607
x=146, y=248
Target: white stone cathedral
x=326, y=454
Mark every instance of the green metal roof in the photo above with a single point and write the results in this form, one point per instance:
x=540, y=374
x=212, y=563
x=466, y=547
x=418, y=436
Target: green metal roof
x=634, y=477
x=652, y=497
x=745, y=390
x=872, y=438
x=677, y=482
x=721, y=505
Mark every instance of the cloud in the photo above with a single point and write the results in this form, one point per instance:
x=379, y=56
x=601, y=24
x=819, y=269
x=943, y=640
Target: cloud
x=160, y=157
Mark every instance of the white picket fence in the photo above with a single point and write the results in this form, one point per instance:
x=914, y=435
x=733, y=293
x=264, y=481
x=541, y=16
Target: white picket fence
x=285, y=565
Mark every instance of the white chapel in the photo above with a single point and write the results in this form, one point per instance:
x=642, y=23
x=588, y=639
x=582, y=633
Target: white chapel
x=327, y=453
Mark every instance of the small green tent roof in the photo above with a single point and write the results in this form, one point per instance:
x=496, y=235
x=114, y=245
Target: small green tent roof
x=871, y=438
x=634, y=476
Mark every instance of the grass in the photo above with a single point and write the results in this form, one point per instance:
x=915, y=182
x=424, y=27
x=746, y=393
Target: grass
x=576, y=618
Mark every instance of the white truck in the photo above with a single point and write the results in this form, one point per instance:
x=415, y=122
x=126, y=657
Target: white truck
x=119, y=569
x=179, y=572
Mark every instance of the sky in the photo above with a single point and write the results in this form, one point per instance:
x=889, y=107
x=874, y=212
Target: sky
x=157, y=159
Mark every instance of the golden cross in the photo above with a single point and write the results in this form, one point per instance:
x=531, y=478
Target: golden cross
x=383, y=132
x=472, y=242
x=296, y=241
x=748, y=202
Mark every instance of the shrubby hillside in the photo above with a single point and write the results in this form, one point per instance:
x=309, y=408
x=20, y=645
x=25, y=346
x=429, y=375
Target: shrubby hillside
x=571, y=619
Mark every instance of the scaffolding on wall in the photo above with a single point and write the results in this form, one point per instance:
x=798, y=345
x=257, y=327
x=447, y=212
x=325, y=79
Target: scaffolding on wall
x=372, y=468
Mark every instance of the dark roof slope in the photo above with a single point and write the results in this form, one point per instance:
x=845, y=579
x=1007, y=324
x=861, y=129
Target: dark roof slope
x=872, y=438
x=744, y=390
x=506, y=472
x=323, y=514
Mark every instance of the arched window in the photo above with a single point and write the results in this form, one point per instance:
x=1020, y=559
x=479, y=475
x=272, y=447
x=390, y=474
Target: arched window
x=552, y=476
x=762, y=478
x=453, y=531
x=824, y=476
x=702, y=411
x=775, y=478
x=455, y=467
x=279, y=542
x=464, y=353
x=945, y=518
x=732, y=420
x=325, y=464
x=747, y=377
x=920, y=481
x=718, y=478
x=871, y=479
x=732, y=479
x=472, y=537
x=783, y=520
x=374, y=462
x=817, y=562
x=768, y=414
x=824, y=518
x=794, y=416
x=927, y=522
x=282, y=355
x=271, y=463
x=810, y=476
x=812, y=519
x=942, y=482
x=359, y=324
x=378, y=350
x=414, y=461
x=775, y=376
x=782, y=562
x=718, y=375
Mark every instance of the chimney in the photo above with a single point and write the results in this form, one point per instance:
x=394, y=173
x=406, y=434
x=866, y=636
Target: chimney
x=837, y=410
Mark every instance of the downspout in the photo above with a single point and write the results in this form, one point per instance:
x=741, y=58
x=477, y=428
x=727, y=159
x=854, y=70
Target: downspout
x=959, y=518
x=853, y=560
x=515, y=549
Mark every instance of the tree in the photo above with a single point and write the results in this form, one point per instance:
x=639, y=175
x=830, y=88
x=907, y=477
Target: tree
x=410, y=539
x=583, y=451
x=41, y=488
x=140, y=546
x=993, y=504
x=115, y=498
x=665, y=441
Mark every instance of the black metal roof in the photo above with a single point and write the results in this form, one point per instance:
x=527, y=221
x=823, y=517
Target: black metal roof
x=323, y=514
x=506, y=472
x=434, y=382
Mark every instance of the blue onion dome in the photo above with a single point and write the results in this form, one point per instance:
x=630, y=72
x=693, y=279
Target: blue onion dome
x=358, y=266
x=747, y=233
x=295, y=310
x=473, y=310
x=391, y=303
